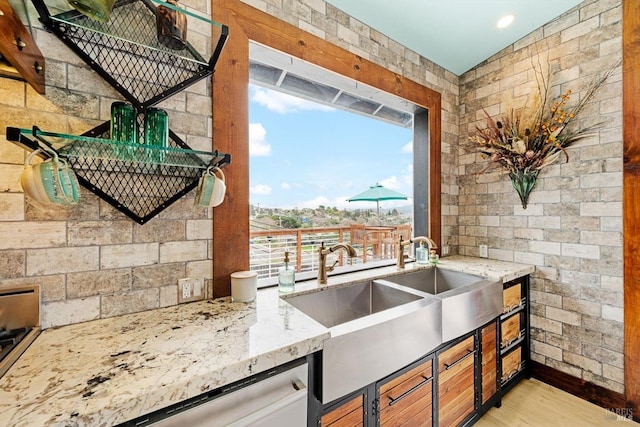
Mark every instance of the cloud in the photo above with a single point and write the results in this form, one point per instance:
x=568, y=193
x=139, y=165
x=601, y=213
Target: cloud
x=391, y=183
x=285, y=186
x=260, y=190
x=408, y=147
x=314, y=203
x=282, y=103
x=258, y=145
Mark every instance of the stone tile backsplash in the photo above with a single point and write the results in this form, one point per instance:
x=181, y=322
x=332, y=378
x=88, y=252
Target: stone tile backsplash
x=572, y=228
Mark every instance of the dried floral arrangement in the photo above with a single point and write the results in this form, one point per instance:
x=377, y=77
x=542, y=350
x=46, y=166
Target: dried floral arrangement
x=527, y=140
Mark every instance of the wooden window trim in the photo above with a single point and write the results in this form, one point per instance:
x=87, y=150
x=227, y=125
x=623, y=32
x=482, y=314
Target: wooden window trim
x=230, y=249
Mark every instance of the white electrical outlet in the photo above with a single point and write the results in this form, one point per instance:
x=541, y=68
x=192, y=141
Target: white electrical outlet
x=190, y=289
x=483, y=251
x=186, y=289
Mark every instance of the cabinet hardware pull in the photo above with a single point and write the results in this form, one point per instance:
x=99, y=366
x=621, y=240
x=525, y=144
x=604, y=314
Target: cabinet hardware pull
x=449, y=366
x=519, y=305
x=393, y=401
x=507, y=343
x=21, y=45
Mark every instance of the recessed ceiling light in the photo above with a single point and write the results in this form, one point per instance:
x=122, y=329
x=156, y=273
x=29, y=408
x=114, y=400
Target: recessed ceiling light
x=505, y=21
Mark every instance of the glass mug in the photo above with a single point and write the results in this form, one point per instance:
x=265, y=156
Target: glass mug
x=100, y=10
x=156, y=133
x=124, y=128
x=211, y=188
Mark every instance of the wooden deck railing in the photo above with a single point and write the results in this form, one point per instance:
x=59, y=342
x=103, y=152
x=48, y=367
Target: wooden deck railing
x=268, y=247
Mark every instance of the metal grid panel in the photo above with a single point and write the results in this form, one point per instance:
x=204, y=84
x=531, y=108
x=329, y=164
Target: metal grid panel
x=126, y=52
x=138, y=189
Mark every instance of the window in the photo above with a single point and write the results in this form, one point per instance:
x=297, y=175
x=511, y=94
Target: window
x=317, y=139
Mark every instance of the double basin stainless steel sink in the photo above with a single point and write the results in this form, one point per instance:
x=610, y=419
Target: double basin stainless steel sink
x=379, y=326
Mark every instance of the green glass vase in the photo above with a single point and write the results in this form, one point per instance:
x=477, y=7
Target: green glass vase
x=523, y=181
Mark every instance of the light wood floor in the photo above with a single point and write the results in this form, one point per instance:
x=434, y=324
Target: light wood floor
x=534, y=403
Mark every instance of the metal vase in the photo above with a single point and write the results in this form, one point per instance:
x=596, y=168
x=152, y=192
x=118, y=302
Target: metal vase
x=523, y=181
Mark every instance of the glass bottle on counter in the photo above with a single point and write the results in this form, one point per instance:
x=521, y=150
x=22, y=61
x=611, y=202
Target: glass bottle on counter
x=422, y=255
x=286, y=276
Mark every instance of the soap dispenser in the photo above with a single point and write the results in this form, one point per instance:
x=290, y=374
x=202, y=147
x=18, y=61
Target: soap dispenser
x=286, y=276
x=422, y=255
x=433, y=257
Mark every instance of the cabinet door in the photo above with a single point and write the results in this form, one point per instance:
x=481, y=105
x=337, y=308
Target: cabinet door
x=406, y=400
x=456, y=397
x=489, y=369
x=349, y=414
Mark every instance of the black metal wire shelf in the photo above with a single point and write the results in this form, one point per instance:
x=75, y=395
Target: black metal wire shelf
x=138, y=180
x=126, y=52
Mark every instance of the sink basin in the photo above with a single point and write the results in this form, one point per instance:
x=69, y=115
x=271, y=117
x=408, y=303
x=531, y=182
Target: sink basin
x=336, y=306
x=435, y=280
x=376, y=328
x=468, y=301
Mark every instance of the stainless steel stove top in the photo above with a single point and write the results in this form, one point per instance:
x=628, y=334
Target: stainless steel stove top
x=19, y=323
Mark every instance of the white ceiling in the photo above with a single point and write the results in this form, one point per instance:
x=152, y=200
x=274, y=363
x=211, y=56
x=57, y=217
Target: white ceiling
x=455, y=34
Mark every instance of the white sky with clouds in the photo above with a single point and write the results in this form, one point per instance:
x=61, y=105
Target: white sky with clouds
x=304, y=154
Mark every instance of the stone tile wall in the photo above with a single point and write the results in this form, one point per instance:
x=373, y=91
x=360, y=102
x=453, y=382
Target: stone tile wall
x=572, y=228
x=90, y=260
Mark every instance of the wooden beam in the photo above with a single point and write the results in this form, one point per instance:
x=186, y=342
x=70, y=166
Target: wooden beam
x=19, y=49
x=631, y=203
x=230, y=119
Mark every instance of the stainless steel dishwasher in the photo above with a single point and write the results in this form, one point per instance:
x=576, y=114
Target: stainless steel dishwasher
x=272, y=399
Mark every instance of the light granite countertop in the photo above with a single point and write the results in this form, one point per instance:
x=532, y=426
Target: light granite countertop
x=112, y=370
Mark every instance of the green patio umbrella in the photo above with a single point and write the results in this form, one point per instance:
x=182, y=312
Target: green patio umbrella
x=376, y=194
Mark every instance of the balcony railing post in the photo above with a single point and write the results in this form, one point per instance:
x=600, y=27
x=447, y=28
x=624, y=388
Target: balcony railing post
x=299, y=250
x=341, y=256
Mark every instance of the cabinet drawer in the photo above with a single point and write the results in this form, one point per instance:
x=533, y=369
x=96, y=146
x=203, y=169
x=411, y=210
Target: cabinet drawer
x=511, y=297
x=455, y=356
x=349, y=414
x=510, y=330
x=511, y=364
x=407, y=399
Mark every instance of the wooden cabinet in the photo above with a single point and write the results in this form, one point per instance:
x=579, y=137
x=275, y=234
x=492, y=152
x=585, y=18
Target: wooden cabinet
x=407, y=399
x=489, y=362
x=456, y=382
x=349, y=414
x=514, y=333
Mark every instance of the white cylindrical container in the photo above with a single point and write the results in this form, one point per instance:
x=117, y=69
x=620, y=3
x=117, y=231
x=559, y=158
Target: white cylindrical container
x=243, y=286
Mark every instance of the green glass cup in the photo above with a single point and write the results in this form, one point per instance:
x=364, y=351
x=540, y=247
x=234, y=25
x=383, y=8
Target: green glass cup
x=156, y=134
x=124, y=129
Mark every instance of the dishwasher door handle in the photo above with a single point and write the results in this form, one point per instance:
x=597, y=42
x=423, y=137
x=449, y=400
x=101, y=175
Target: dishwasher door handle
x=274, y=407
